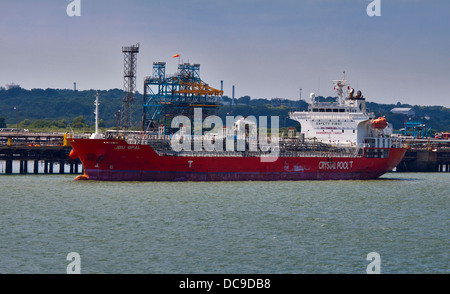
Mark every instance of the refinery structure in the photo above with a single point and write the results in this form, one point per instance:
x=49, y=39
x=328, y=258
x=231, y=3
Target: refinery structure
x=167, y=96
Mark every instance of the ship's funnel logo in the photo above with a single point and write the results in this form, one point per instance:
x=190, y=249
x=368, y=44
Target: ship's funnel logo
x=238, y=135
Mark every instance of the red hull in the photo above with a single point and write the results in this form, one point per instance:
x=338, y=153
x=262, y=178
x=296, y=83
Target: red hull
x=116, y=160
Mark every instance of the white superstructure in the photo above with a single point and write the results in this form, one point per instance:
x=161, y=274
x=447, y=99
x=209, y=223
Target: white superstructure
x=343, y=122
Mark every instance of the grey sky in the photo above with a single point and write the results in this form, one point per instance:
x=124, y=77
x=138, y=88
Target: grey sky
x=266, y=48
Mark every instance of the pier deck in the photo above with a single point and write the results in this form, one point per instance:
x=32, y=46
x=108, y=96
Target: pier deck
x=426, y=155
x=46, y=148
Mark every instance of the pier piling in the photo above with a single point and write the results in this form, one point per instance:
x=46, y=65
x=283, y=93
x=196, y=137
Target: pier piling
x=61, y=167
x=36, y=167
x=9, y=167
x=423, y=160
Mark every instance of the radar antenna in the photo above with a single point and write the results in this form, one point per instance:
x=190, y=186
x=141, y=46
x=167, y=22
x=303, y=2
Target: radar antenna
x=339, y=86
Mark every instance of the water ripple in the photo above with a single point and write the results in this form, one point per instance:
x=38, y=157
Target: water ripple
x=240, y=227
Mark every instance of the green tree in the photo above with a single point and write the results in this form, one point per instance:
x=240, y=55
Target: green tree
x=244, y=100
x=61, y=124
x=79, y=122
x=26, y=123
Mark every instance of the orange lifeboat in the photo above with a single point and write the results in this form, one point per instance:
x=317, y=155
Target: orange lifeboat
x=380, y=123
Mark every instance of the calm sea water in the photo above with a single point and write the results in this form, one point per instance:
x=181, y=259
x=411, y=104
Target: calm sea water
x=225, y=228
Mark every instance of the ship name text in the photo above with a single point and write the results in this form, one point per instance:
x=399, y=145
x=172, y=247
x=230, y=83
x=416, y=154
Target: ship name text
x=335, y=165
x=130, y=147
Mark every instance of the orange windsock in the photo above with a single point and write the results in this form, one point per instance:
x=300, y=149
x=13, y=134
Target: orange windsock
x=176, y=55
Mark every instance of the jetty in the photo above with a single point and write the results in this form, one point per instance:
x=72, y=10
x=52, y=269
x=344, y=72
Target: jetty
x=426, y=155
x=36, y=153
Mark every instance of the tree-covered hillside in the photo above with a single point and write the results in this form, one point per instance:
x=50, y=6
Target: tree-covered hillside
x=58, y=105
x=67, y=107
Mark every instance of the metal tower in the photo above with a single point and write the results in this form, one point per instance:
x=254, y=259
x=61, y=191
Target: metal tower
x=129, y=84
x=166, y=96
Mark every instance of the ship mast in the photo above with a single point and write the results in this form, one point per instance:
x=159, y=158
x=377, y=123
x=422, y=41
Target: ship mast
x=96, y=103
x=96, y=112
x=339, y=85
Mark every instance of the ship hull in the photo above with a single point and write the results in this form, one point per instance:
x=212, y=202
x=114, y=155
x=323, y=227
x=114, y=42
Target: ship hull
x=116, y=160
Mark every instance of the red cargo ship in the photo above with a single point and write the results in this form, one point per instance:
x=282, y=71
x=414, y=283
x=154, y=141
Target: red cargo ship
x=339, y=141
x=116, y=160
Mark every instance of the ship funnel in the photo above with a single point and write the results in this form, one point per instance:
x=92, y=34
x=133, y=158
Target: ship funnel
x=350, y=94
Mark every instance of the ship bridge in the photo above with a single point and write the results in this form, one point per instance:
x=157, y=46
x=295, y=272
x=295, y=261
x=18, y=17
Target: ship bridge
x=343, y=122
